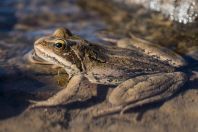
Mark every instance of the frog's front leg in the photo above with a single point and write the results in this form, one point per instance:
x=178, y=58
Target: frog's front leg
x=143, y=90
x=62, y=96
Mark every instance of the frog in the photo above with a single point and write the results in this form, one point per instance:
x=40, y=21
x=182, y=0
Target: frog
x=140, y=71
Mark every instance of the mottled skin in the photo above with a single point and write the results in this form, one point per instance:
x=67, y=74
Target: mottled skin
x=142, y=72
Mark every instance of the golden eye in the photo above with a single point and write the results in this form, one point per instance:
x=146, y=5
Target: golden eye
x=60, y=44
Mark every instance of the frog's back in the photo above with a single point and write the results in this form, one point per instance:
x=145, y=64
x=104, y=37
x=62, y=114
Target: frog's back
x=121, y=64
x=137, y=61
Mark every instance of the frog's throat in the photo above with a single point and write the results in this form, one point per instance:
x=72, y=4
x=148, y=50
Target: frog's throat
x=55, y=59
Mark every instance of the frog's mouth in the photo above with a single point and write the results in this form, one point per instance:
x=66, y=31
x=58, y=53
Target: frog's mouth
x=33, y=57
x=45, y=56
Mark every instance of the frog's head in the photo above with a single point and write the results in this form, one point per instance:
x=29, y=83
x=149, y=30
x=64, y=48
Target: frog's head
x=59, y=49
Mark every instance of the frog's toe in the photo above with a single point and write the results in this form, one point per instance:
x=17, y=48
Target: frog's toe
x=32, y=101
x=38, y=104
x=34, y=104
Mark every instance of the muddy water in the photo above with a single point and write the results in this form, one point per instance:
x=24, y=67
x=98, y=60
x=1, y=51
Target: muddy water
x=23, y=21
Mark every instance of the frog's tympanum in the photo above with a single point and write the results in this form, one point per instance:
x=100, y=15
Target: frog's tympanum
x=141, y=71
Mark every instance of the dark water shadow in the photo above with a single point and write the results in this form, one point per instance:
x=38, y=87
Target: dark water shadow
x=15, y=91
x=12, y=104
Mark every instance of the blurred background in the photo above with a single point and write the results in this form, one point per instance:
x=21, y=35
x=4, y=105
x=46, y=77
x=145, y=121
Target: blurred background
x=174, y=20
x=170, y=23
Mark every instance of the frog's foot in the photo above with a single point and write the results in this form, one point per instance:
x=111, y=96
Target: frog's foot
x=143, y=90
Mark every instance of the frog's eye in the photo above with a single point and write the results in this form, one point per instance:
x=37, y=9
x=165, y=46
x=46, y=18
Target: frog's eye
x=59, y=44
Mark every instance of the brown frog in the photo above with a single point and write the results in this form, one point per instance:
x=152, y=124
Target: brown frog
x=142, y=72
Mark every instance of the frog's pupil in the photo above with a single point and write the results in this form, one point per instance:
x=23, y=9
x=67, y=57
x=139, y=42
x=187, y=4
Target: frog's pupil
x=58, y=45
